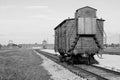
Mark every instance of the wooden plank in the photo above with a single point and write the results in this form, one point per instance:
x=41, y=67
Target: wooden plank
x=65, y=40
x=88, y=26
x=81, y=26
x=56, y=41
x=99, y=30
x=94, y=26
x=71, y=33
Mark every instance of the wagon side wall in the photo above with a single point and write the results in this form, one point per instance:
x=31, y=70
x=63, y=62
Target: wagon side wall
x=100, y=33
x=63, y=37
x=60, y=38
x=70, y=33
x=55, y=41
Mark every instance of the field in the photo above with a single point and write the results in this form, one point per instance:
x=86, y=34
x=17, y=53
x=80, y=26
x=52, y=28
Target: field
x=21, y=65
x=112, y=51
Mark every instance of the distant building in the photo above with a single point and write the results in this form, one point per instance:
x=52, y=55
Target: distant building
x=11, y=44
x=44, y=44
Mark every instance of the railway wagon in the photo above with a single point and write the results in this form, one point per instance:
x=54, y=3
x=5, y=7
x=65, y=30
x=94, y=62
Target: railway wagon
x=78, y=39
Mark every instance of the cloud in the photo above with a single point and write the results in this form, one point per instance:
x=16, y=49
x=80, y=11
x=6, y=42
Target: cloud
x=7, y=6
x=1, y=35
x=46, y=17
x=27, y=7
x=40, y=16
x=37, y=7
x=14, y=21
x=37, y=16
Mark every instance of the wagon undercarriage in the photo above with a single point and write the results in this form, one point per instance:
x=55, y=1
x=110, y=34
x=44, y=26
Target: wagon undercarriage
x=79, y=59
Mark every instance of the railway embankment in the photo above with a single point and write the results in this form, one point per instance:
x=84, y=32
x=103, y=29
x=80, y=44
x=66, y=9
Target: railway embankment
x=57, y=71
x=85, y=71
x=26, y=64
x=107, y=61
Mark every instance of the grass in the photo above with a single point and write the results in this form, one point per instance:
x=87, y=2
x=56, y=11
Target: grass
x=21, y=65
x=112, y=51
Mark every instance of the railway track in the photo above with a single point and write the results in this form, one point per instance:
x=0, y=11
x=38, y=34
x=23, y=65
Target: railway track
x=89, y=72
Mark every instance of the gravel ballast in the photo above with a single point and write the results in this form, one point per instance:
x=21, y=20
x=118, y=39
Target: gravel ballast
x=56, y=71
x=107, y=61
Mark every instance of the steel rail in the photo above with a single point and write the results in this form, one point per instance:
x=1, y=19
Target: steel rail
x=107, y=70
x=74, y=69
x=78, y=70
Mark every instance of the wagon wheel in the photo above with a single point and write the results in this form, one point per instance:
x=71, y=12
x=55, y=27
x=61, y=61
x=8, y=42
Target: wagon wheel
x=70, y=61
x=89, y=60
x=61, y=58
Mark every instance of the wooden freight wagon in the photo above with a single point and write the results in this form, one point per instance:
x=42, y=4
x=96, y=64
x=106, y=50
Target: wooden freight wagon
x=80, y=38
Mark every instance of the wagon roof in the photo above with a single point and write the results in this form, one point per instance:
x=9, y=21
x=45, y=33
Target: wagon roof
x=63, y=22
x=100, y=19
x=87, y=7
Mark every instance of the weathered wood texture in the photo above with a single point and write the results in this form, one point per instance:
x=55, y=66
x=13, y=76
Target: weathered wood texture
x=86, y=12
x=65, y=32
x=100, y=31
x=86, y=25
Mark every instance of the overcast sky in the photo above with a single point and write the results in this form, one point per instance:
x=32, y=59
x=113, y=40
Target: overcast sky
x=32, y=21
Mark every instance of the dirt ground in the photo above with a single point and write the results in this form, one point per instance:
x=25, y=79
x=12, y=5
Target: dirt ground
x=21, y=64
